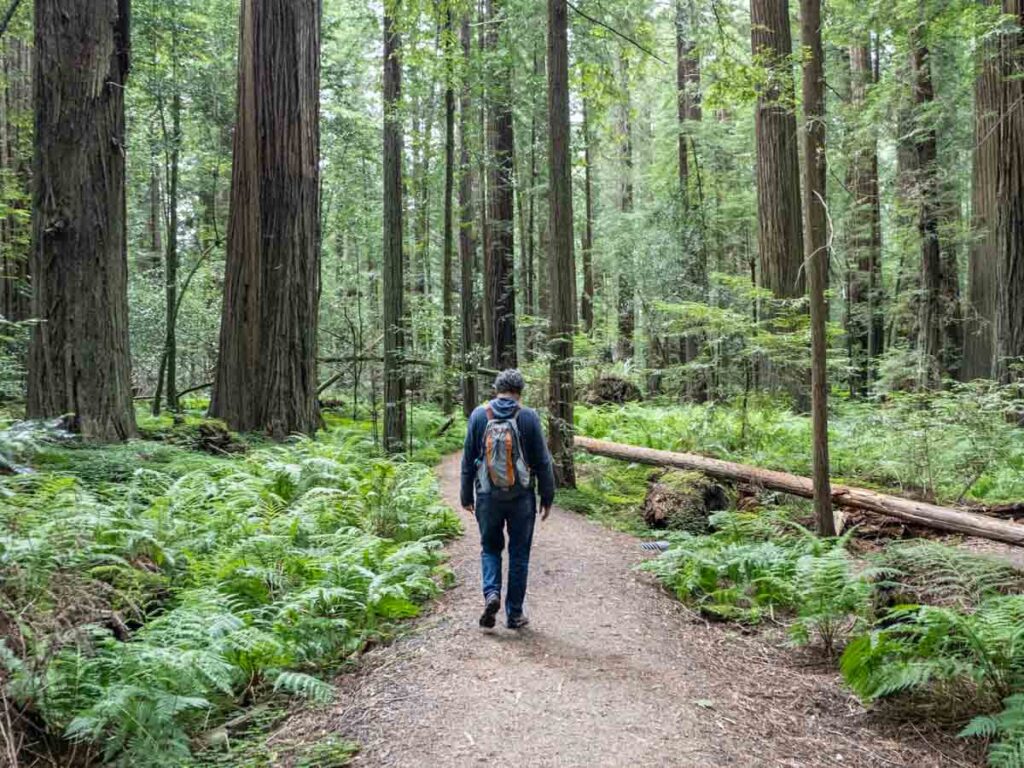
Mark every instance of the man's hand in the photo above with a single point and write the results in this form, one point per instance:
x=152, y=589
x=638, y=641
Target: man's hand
x=471, y=509
x=544, y=512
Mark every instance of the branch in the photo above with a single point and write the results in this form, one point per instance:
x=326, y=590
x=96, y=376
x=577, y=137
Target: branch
x=616, y=32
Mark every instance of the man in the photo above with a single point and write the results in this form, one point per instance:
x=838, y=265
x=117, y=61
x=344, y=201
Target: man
x=505, y=462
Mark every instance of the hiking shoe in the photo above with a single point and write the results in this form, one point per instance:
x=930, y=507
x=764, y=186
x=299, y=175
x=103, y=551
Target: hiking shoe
x=517, y=622
x=491, y=606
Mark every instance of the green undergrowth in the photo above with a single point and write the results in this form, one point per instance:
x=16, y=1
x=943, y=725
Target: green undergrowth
x=945, y=445
x=610, y=492
x=919, y=621
x=149, y=592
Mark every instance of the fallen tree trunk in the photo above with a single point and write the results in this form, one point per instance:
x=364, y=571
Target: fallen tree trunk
x=917, y=512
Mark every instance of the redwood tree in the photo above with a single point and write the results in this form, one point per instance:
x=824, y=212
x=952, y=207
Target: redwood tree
x=393, y=279
x=779, y=237
x=1010, y=198
x=500, y=240
x=979, y=351
x=79, y=357
x=266, y=371
x=467, y=239
x=865, y=329
x=562, y=264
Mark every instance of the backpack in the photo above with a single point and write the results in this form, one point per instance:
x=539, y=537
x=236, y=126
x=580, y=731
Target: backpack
x=502, y=467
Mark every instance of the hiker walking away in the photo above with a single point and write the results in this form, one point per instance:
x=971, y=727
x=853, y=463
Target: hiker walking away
x=505, y=462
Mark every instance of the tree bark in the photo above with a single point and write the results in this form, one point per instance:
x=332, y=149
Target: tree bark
x=171, y=260
x=587, y=244
x=266, y=372
x=501, y=204
x=79, y=360
x=394, y=285
x=979, y=353
x=915, y=512
x=626, y=284
x=936, y=313
x=562, y=263
x=1010, y=201
x=780, y=237
x=865, y=320
x=467, y=239
x=816, y=251
x=449, y=184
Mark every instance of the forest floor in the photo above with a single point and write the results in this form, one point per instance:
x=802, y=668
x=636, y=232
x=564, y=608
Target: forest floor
x=612, y=671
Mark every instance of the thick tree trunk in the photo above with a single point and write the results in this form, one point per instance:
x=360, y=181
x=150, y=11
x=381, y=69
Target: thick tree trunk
x=79, y=360
x=394, y=285
x=500, y=205
x=865, y=328
x=587, y=244
x=780, y=237
x=979, y=351
x=467, y=239
x=562, y=264
x=1010, y=201
x=266, y=371
x=816, y=251
x=915, y=512
x=449, y=244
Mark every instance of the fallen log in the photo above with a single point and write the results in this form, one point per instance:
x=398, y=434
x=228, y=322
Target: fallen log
x=908, y=510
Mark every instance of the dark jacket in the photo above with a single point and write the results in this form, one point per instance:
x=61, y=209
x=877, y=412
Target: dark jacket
x=532, y=436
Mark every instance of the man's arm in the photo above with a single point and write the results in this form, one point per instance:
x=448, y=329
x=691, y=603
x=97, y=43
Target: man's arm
x=470, y=454
x=536, y=449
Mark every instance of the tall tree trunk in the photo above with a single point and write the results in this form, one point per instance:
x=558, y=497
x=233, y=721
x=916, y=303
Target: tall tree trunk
x=979, y=353
x=79, y=359
x=1010, y=201
x=865, y=320
x=562, y=264
x=394, y=310
x=626, y=285
x=587, y=245
x=816, y=252
x=935, y=315
x=449, y=184
x=467, y=239
x=171, y=261
x=780, y=237
x=500, y=243
x=266, y=371
x=16, y=166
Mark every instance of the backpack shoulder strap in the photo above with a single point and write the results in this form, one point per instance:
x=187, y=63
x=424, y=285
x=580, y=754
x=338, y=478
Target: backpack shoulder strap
x=489, y=411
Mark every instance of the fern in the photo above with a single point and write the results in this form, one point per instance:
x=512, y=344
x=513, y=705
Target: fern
x=241, y=577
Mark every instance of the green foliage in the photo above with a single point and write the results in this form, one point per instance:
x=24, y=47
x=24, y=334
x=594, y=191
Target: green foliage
x=755, y=564
x=609, y=491
x=149, y=605
x=948, y=652
x=947, y=445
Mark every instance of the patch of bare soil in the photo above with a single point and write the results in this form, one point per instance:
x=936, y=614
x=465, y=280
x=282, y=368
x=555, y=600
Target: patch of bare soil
x=611, y=672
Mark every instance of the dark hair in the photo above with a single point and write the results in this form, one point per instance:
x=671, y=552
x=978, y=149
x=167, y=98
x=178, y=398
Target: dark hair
x=509, y=380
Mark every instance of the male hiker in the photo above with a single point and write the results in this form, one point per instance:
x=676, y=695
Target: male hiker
x=506, y=462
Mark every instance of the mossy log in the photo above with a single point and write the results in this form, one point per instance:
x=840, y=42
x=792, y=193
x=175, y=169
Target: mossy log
x=917, y=512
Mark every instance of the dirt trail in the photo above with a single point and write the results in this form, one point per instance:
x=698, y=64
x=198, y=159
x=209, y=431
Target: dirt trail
x=611, y=672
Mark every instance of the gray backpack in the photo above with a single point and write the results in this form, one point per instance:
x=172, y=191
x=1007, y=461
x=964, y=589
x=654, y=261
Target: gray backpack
x=503, y=466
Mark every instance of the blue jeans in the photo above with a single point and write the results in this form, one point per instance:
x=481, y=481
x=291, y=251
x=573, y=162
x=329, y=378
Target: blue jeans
x=493, y=516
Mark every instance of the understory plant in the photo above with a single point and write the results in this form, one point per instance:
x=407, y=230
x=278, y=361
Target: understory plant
x=137, y=613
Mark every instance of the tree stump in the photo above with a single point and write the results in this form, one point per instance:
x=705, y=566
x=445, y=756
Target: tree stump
x=682, y=501
x=612, y=390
